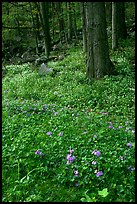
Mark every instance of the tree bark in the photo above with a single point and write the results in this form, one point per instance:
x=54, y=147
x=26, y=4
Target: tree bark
x=98, y=61
x=45, y=27
x=84, y=31
x=114, y=26
x=119, y=30
x=69, y=22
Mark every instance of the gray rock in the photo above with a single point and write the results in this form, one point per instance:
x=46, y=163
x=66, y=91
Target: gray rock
x=44, y=70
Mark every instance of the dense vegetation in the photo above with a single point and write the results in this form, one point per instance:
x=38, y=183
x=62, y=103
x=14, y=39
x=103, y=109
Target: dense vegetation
x=54, y=114
x=66, y=138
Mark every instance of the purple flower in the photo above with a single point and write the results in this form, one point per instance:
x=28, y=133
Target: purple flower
x=38, y=152
x=49, y=133
x=70, y=158
x=100, y=173
x=76, y=184
x=60, y=134
x=97, y=153
x=110, y=126
x=120, y=127
x=94, y=162
x=71, y=151
x=76, y=173
x=129, y=144
x=55, y=113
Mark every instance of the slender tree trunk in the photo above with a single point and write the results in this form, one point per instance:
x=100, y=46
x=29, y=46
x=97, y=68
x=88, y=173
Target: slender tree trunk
x=98, y=61
x=69, y=22
x=114, y=26
x=119, y=30
x=122, y=30
x=45, y=26
x=34, y=28
x=84, y=31
x=108, y=7
x=74, y=21
x=60, y=20
x=53, y=21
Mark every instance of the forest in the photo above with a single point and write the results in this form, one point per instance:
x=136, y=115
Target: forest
x=68, y=101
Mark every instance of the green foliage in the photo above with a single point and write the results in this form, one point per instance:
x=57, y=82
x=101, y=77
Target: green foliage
x=56, y=114
x=103, y=193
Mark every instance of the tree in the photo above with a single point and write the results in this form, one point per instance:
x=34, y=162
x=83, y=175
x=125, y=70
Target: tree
x=69, y=12
x=84, y=32
x=45, y=26
x=119, y=30
x=61, y=24
x=98, y=61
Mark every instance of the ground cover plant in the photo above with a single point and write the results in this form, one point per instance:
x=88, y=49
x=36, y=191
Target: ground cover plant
x=67, y=139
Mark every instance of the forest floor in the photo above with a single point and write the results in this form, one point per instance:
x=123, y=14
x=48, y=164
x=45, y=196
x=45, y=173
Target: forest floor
x=66, y=139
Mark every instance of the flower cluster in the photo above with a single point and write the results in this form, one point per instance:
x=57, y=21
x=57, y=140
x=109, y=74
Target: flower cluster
x=70, y=157
x=97, y=153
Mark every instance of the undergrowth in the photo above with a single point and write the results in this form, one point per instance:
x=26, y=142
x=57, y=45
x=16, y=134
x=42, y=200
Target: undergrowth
x=66, y=139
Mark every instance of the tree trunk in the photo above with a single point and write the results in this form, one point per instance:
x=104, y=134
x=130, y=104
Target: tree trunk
x=45, y=27
x=122, y=30
x=98, y=61
x=60, y=20
x=84, y=31
x=119, y=30
x=35, y=28
x=69, y=22
x=74, y=21
x=114, y=26
x=108, y=7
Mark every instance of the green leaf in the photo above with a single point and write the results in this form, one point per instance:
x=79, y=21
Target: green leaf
x=103, y=193
x=88, y=199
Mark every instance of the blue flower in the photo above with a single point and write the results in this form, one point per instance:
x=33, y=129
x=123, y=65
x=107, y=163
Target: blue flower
x=97, y=153
x=100, y=173
x=38, y=152
x=49, y=133
x=129, y=144
x=94, y=162
x=70, y=158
